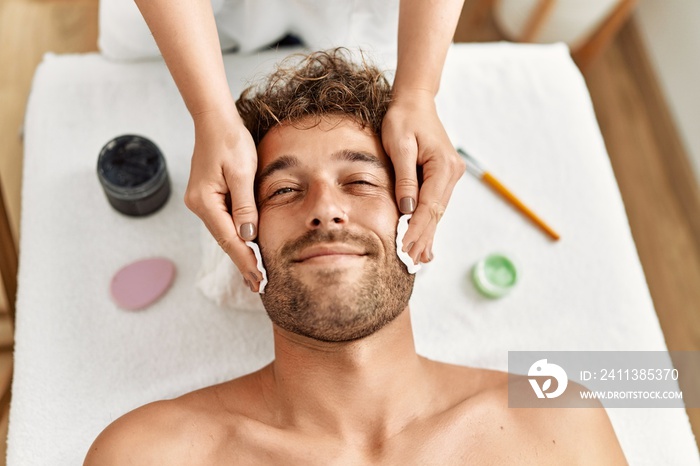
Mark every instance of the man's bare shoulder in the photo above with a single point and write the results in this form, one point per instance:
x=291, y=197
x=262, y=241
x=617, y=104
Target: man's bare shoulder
x=567, y=435
x=563, y=435
x=579, y=430
x=157, y=433
x=192, y=429
x=131, y=438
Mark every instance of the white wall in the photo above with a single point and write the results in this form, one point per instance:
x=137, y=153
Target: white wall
x=671, y=32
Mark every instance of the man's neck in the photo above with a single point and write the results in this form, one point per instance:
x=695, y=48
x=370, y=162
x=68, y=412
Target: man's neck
x=362, y=391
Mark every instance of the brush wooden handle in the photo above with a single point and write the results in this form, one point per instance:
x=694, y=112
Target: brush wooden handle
x=510, y=197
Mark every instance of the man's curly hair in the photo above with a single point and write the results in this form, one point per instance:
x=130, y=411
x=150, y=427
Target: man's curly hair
x=316, y=85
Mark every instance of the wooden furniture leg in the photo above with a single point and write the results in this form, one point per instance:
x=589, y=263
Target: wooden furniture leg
x=585, y=54
x=8, y=271
x=537, y=19
x=8, y=258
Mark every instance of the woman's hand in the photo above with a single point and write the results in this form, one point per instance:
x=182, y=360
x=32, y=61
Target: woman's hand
x=413, y=136
x=224, y=162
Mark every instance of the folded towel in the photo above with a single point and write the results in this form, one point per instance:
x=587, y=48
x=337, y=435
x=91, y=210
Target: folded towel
x=219, y=280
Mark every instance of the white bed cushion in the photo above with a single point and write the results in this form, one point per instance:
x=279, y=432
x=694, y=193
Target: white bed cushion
x=248, y=25
x=80, y=362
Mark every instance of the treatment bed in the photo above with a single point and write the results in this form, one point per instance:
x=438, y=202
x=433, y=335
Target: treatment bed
x=523, y=110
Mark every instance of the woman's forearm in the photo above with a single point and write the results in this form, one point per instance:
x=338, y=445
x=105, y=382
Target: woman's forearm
x=426, y=29
x=185, y=32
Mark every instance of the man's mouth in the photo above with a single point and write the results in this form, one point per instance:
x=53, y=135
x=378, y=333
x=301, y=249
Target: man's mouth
x=329, y=253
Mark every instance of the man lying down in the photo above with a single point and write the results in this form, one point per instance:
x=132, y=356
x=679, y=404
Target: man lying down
x=346, y=385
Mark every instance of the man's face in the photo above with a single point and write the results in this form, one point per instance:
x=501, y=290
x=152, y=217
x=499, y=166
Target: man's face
x=327, y=231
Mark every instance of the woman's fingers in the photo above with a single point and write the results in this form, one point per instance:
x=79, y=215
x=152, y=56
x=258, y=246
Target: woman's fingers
x=423, y=224
x=414, y=137
x=243, y=208
x=223, y=169
x=441, y=173
x=403, y=152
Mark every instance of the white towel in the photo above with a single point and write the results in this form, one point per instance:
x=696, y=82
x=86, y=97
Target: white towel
x=219, y=280
x=81, y=362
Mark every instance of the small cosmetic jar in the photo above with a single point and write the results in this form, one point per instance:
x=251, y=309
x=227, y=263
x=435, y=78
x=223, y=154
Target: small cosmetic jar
x=133, y=175
x=495, y=275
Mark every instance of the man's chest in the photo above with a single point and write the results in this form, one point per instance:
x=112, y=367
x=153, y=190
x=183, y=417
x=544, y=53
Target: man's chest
x=444, y=444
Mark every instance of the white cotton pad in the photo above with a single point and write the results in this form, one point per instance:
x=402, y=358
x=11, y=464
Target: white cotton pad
x=261, y=267
x=401, y=230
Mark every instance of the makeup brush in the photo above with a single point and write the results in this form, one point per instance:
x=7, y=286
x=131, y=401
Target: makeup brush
x=479, y=172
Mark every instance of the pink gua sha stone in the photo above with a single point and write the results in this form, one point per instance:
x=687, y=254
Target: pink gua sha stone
x=141, y=283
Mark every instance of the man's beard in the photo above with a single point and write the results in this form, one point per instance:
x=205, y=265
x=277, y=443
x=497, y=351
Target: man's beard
x=335, y=310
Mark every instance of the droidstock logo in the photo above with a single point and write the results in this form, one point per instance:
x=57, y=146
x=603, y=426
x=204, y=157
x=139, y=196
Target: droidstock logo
x=541, y=369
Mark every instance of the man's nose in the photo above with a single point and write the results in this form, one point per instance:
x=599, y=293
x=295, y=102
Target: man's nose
x=327, y=209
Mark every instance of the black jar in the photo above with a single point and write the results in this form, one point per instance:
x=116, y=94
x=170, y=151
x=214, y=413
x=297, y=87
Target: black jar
x=133, y=175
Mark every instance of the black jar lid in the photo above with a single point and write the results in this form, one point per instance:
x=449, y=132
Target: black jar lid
x=133, y=174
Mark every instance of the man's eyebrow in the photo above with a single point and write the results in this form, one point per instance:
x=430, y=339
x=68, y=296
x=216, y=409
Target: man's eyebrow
x=358, y=156
x=285, y=161
x=288, y=161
